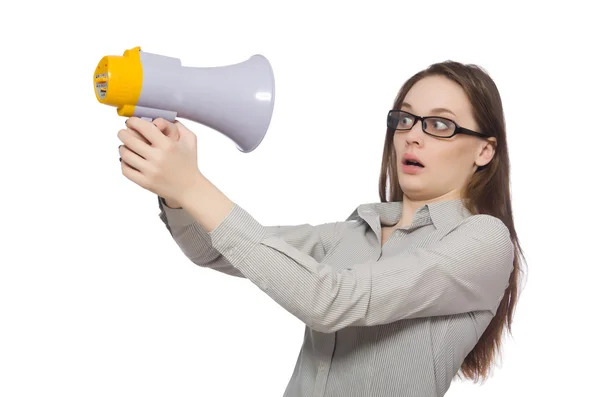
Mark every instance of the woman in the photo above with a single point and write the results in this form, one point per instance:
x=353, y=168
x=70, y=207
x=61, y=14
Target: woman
x=405, y=293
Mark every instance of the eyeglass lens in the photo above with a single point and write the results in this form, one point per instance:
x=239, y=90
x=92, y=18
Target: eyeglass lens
x=432, y=125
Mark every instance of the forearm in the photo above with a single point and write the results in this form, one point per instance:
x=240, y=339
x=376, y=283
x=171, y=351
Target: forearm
x=193, y=241
x=197, y=244
x=206, y=204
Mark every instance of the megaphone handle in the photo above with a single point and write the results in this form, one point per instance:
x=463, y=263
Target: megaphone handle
x=150, y=114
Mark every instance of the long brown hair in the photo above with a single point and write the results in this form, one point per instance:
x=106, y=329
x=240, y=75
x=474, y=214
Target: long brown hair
x=488, y=192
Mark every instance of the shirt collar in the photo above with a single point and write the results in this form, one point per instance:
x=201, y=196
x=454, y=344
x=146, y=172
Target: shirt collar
x=439, y=214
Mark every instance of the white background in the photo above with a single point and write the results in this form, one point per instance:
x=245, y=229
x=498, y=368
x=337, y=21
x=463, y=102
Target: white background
x=96, y=299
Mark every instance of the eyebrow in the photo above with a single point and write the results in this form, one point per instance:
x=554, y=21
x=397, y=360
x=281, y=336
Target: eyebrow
x=435, y=110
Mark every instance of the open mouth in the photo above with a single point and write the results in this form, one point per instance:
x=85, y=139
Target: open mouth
x=413, y=163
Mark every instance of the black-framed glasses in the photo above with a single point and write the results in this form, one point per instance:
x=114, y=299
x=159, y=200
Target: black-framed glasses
x=439, y=127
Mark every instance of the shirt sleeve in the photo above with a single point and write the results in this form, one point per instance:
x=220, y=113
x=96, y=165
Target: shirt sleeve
x=196, y=244
x=467, y=270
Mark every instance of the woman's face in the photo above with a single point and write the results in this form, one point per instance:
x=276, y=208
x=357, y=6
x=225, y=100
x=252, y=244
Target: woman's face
x=448, y=163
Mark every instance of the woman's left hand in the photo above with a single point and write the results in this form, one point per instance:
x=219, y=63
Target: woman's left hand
x=168, y=166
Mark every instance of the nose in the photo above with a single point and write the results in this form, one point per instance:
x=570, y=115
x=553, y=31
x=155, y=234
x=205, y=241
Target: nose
x=415, y=134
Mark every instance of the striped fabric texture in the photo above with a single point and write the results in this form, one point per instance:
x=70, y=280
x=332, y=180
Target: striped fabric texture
x=385, y=320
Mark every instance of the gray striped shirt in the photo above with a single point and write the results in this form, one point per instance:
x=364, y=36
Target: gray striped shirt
x=388, y=321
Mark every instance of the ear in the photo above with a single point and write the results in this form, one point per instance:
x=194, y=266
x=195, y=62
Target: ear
x=486, y=152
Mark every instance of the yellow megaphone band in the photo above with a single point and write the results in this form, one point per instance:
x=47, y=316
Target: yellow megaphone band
x=118, y=81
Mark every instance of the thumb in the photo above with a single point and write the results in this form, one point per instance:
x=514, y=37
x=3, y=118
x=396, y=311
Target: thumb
x=181, y=128
x=167, y=128
x=183, y=131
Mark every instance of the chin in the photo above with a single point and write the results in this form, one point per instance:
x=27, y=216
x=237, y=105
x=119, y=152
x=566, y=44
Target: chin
x=411, y=184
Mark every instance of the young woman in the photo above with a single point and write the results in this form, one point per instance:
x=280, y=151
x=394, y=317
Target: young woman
x=406, y=293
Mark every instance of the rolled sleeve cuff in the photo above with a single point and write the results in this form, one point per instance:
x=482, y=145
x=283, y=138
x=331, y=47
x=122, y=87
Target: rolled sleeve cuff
x=237, y=235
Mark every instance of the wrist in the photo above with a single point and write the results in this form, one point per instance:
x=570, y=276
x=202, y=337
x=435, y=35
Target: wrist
x=195, y=192
x=171, y=203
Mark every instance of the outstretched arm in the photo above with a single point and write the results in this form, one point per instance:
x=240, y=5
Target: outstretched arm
x=196, y=243
x=467, y=270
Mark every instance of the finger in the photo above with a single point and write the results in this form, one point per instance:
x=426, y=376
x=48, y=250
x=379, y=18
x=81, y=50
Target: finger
x=132, y=159
x=137, y=135
x=167, y=128
x=133, y=174
x=140, y=147
x=148, y=131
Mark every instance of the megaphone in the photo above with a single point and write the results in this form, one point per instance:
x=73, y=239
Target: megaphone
x=236, y=100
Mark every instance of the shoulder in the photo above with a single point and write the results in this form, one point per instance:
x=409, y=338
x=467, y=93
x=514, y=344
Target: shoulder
x=485, y=239
x=481, y=224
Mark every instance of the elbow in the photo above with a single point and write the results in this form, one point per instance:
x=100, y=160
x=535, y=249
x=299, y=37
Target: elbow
x=324, y=328
x=333, y=326
x=331, y=321
x=319, y=320
x=345, y=303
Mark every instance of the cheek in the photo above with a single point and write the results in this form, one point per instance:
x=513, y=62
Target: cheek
x=396, y=146
x=451, y=160
x=439, y=157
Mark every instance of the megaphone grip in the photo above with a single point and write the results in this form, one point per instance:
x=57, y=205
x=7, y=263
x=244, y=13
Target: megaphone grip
x=152, y=114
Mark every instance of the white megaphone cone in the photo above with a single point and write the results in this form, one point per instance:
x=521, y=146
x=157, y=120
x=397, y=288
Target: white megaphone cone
x=235, y=100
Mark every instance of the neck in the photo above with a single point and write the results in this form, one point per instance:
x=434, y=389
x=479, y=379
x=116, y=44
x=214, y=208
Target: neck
x=410, y=206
